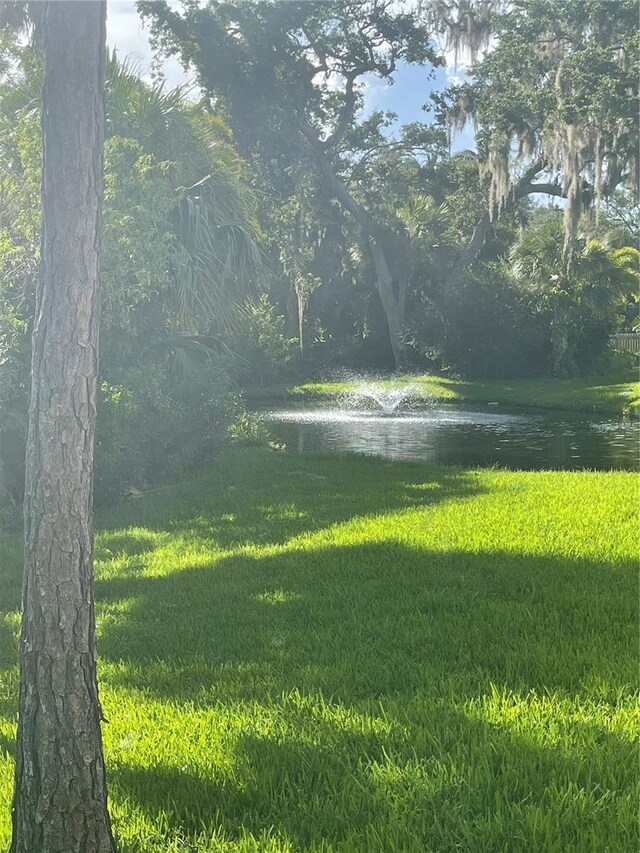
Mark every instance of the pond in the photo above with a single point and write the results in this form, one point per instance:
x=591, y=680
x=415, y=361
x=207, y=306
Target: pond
x=455, y=435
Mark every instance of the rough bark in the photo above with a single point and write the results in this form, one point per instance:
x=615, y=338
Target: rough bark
x=291, y=312
x=302, y=307
x=60, y=792
x=392, y=297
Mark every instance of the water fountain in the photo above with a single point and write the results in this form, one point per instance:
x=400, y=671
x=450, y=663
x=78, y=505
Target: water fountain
x=402, y=422
x=388, y=401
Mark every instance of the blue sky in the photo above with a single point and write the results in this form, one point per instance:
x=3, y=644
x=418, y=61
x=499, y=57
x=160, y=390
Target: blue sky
x=410, y=91
x=405, y=97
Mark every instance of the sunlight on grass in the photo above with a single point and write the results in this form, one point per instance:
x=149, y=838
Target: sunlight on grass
x=342, y=654
x=278, y=596
x=614, y=394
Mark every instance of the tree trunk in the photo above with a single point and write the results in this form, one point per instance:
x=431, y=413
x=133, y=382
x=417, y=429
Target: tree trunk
x=392, y=298
x=470, y=253
x=560, y=362
x=60, y=803
x=391, y=293
x=522, y=188
x=302, y=307
x=393, y=303
x=291, y=312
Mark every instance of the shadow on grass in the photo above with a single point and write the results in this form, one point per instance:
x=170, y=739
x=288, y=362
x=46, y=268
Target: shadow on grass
x=252, y=497
x=366, y=659
x=10, y=579
x=8, y=669
x=129, y=543
x=371, y=620
x=473, y=786
x=414, y=700
x=261, y=499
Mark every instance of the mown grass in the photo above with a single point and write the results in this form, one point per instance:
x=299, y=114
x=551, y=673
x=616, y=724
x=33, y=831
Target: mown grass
x=305, y=654
x=614, y=394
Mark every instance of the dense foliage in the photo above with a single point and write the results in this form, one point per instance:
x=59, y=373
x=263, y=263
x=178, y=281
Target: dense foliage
x=557, y=94
x=180, y=251
x=391, y=250
x=277, y=229
x=340, y=654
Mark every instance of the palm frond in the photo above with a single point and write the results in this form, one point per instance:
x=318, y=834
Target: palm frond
x=218, y=259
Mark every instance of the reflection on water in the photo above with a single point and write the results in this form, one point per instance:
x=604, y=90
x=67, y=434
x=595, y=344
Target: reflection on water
x=456, y=436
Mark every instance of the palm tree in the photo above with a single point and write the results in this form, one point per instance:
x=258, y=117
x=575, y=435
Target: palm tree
x=206, y=258
x=214, y=218
x=218, y=259
x=594, y=278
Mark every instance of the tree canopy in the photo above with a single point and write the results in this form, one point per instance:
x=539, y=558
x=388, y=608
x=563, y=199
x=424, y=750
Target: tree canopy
x=279, y=208
x=290, y=77
x=556, y=94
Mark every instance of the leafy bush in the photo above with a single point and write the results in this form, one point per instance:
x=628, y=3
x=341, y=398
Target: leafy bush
x=248, y=429
x=153, y=423
x=484, y=329
x=264, y=352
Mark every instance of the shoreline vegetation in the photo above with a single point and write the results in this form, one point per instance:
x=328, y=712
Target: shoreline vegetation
x=312, y=653
x=617, y=394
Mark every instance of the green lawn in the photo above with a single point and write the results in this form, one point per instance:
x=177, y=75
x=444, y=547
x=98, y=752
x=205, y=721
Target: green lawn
x=305, y=654
x=615, y=394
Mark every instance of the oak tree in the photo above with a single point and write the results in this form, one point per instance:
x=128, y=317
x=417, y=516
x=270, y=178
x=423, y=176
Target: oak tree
x=294, y=72
x=553, y=99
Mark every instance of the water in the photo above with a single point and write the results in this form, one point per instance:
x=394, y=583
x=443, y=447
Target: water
x=455, y=435
x=385, y=401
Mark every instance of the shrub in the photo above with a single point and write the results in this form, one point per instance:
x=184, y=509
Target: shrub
x=483, y=329
x=153, y=423
x=264, y=352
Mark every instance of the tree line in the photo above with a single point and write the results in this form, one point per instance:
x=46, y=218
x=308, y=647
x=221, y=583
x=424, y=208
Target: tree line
x=553, y=100
x=273, y=227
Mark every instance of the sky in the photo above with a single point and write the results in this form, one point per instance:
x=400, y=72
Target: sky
x=405, y=97
x=126, y=33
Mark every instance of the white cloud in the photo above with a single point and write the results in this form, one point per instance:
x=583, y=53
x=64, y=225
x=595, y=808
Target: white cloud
x=373, y=91
x=457, y=75
x=334, y=82
x=126, y=33
x=456, y=66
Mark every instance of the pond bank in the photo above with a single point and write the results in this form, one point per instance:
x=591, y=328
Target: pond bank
x=617, y=394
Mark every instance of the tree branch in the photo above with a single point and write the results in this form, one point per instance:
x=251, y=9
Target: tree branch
x=346, y=115
x=547, y=189
x=392, y=294
x=523, y=188
x=319, y=52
